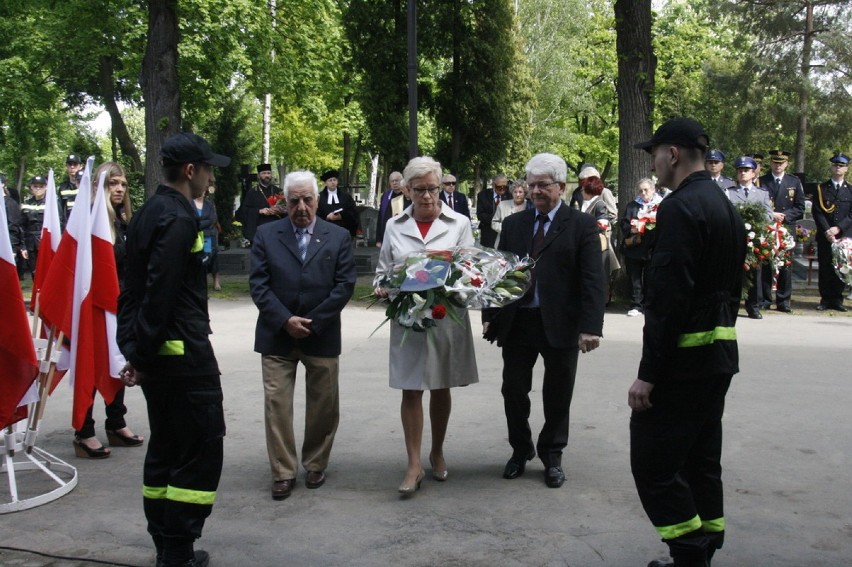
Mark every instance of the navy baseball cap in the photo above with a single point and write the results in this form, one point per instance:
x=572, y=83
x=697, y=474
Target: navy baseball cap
x=37, y=180
x=745, y=161
x=684, y=132
x=840, y=158
x=73, y=158
x=715, y=155
x=190, y=148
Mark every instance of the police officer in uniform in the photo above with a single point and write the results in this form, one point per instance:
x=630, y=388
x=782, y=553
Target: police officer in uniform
x=68, y=188
x=32, y=213
x=689, y=351
x=832, y=210
x=714, y=163
x=163, y=329
x=788, y=200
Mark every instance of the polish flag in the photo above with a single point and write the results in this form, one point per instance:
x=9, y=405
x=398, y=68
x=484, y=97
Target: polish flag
x=69, y=301
x=18, y=364
x=51, y=234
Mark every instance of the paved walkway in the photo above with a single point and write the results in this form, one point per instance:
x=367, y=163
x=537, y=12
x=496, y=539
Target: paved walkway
x=787, y=461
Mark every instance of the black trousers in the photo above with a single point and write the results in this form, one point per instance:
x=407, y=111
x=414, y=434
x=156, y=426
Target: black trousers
x=636, y=273
x=754, y=296
x=675, y=456
x=526, y=341
x=184, y=459
x=115, y=413
x=784, y=288
x=830, y=285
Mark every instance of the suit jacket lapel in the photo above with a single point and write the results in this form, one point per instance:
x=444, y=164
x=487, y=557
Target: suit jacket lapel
x=317, y=241
x=288, y=238
x=557, y=226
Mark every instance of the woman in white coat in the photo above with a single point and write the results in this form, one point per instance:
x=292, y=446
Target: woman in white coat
x=443, y=357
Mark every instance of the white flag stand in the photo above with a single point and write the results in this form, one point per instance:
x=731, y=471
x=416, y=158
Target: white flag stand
x=19, y=450
x=16, y=459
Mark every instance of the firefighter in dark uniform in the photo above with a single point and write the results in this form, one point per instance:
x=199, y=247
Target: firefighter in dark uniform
x=163, y=329
x=689, y=351
x=788, y=201
x=68, y=188
x=832, y=210
x=32, y=213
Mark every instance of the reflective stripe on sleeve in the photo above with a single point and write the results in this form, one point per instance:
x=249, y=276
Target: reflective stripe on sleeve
x=198, y=245
x=702, y=338
x=203, y=497
x=154, y=492
x=172, y=348
x=714, y=526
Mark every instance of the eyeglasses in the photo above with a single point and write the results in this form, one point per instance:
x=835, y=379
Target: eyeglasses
x=449, y=182
x=541, y=185
x=420, y=190
x=500, y=187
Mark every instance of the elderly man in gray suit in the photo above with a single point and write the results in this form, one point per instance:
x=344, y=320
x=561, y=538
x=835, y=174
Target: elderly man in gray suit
x=302, y=276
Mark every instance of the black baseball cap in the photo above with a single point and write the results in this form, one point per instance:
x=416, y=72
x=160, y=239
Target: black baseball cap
x=191, y=148
x=684, y=132
x=73, y=158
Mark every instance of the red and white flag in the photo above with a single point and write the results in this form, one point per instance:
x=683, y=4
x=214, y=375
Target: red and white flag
x=51, y=235
x=18, y=364
x=71, y=296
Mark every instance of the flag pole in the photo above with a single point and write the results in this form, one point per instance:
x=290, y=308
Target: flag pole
x=36, y=319
x=45, y=380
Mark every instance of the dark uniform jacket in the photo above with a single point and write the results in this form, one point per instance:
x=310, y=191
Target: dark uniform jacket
x=694, y=282
x=789, y=198
x=32, y=214
x=163, y=325
x=67, y=196
x=14, y=224
x=833, y=208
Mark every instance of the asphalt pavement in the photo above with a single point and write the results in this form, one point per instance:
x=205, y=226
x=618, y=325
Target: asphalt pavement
x=786, y=466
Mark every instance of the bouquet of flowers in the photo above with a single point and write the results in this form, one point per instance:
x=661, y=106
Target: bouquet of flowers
x=841, y=251
x=784, y=244
x=430, y=285
x=761, y=239
x=646, y=220
x=802, y=233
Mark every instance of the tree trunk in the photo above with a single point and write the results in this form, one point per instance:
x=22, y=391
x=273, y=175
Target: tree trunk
x=119, y=129
x=160, y=87
x=804, y=89
x=356, y=157
x=635, y=86
x=455, y=140
x=347, y=151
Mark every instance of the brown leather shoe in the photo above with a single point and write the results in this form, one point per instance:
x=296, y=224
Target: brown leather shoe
x=315, y=479
x=281, y=489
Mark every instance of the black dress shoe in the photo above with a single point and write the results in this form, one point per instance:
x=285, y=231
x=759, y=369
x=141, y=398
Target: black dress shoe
x=754, y=314
x=281, y=489
x=554, y=477
x=821, y=307
x=315, y=479
x=839, y=307
x=516, y=466
x=784, y=309
x=200, y=559
x=660, y=563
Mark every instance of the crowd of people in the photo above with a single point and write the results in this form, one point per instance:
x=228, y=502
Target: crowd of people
x=303, y=274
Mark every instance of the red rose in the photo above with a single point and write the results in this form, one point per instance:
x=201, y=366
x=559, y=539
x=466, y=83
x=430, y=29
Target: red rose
x=439, y=312
x=476, y=281
x=422, y=276
x=444, y=255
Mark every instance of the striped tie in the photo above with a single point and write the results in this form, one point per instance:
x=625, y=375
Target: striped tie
x=303, y=238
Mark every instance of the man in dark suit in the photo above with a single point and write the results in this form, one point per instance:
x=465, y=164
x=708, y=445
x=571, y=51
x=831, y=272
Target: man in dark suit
x=392, y=204
x=561, y=315
x=336, y=205
x=302, y=276
x=788, y=201
x=486, y=206
x=455, y=200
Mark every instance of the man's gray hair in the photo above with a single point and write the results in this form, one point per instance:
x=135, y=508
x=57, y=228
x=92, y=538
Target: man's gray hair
x=646, y=181
x=550, y=165
x=498, y=176
x=420, y=167
x=300, y=177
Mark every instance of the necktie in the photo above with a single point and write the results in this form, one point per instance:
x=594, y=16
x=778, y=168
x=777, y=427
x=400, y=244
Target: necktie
x=538, y=239
x=777, y=183
x=496, y=198
x=746, y=191
x=302, y=239
x=450, y=201
x=332, y=197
